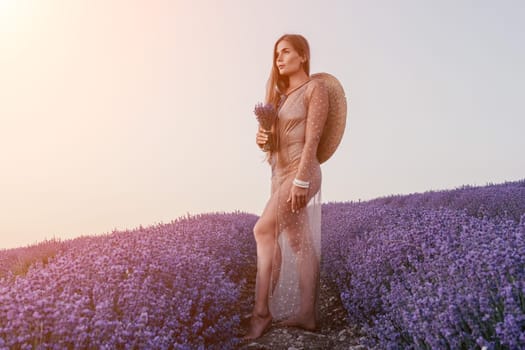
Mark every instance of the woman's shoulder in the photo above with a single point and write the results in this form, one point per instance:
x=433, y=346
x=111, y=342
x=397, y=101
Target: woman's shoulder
x=317, y=85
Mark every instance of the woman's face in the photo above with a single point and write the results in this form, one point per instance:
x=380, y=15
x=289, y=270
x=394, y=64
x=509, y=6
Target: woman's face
x=287, y=59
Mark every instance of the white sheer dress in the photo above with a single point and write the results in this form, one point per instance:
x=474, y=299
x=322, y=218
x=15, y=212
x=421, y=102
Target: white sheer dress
x=295, y=278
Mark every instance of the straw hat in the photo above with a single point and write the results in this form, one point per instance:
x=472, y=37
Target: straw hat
x=336, y=121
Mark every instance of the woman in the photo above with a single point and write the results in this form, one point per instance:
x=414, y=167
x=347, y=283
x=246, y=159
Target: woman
x=288, y=232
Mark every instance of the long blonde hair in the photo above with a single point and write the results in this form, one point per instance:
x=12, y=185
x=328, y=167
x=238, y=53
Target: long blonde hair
x=277, y=84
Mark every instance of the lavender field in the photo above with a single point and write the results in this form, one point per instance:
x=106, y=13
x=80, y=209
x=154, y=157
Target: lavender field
x=435, y=270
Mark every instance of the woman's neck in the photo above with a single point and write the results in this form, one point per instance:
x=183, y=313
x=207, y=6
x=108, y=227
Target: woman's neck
x=297, y=79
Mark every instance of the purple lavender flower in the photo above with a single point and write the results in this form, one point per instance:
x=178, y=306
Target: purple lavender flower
x=437, y=270
x=265, y=114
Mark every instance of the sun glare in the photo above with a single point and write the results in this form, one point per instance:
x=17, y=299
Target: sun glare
x=7, y=14
x=6, y=6
x=12, y=13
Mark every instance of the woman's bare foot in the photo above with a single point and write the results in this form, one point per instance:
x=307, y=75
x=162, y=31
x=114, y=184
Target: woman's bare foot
x=307, y=323
x=258, y=325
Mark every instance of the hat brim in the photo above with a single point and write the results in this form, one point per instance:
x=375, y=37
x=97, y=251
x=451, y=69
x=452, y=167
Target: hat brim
x=336, y=121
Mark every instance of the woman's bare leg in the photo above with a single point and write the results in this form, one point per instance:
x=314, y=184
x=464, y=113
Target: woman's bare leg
x=267, y=248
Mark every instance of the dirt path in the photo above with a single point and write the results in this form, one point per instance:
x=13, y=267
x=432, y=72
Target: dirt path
x=335, y=333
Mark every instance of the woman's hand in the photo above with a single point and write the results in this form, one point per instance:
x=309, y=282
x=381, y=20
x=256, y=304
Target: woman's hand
x=262, y=138
x=298, y=197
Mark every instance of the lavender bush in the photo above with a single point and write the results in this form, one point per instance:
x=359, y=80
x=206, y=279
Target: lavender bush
x=17, y=261
x=417, y=273
x=506, y=200
x=168, y=286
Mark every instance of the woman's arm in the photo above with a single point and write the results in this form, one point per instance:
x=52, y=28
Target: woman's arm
x=315, y=121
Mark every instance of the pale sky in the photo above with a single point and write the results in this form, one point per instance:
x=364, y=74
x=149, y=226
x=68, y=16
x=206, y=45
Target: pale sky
x=115, y=114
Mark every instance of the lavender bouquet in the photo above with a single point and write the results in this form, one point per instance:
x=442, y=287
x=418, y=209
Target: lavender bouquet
x=266, y=116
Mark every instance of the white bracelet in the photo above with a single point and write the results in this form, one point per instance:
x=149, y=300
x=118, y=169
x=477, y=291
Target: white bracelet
x=302, y=184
